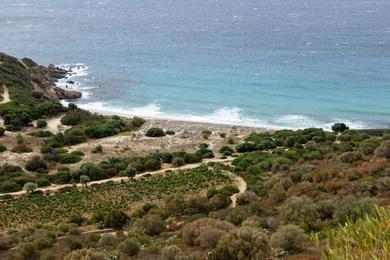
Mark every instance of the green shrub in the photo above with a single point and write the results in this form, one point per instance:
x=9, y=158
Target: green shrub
x=130, y=246
x=290, y=238
x=169, y=132
x=155, y=132
x=2, y=148
x=242, y=243
x=9, y=186
x=205, y=232
x=246, y=147
x=27, y=250
x=36, y=163
x=21, y=148
x=69, y=158
x=115, y=219
x=107, y=240
x=2, y=131
x=226, y=150
x=98, y=149
x=351, y=208
x=178, y=162
x=137, y=122
x=384, y=149
x=300, y=211
x=152, y=225
x=172, y=252
x=41, y=134
x=41, y=123
x=339, y=127
x=350, y=157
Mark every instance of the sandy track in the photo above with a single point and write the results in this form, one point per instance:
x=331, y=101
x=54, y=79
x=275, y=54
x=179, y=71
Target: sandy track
x=5, y=95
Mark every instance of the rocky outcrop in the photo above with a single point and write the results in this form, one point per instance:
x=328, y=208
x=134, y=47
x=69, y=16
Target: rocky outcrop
x=66, y=94
x=27, y=74
x=47, y=77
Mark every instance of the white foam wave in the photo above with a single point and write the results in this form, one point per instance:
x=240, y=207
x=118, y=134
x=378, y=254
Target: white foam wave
x=76, y=71
x=297, y=121
x=303, y=121
x=225, y=115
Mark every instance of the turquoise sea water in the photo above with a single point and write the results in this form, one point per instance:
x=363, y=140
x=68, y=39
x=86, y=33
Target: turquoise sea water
x=295, y=63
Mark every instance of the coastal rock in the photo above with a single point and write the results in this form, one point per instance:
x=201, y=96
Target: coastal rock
x=26, y=73
x=67, y=94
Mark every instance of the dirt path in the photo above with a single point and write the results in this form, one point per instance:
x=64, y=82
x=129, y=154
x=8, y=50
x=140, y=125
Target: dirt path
x=54, y=125
x=242, y=187
x=119, y=179
x=5, y=95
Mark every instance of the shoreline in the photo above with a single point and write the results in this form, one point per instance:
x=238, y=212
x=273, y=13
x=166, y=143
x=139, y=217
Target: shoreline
x=170, y=120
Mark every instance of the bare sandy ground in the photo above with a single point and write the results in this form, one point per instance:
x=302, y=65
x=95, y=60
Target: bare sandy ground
x=5, y=95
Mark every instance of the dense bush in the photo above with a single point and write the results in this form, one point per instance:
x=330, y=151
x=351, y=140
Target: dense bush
x=129, y=246
x=243, y=243
x=226, y=150
x=155, y=132
x=152, y=225
x=300, y=211
x=384, y=149
x=246, y=147
x=290, y=238
x=36, y=163
x=2, y=131
x=115, y=219
x=2, y=148
x=351, y=209
x=41, y=123
x=339, y=127
x=21, y=148
x=205, y=232
x=350, y=157
x=69, y=158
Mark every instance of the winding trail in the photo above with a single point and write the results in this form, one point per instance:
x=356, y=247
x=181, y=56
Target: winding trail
x=5, y=95
x=241, y=184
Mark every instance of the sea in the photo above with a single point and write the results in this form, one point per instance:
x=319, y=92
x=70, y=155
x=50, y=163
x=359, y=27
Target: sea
x=270, y=63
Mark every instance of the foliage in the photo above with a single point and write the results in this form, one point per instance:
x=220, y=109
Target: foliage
x=130, y=246
x=41, y=123
x=242, y=243
x=365, y=238
x=339, y=127
x=290, y=238
x=155, y=132
x=104, y=198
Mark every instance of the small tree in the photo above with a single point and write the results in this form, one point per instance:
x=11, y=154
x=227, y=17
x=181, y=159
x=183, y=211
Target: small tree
x=131, y=172
x=178, y=162
x=290, y=238
x=41, y=123
x=19, y=139
x=84, y=179
x=155, y=132
x=2, y=131
x=130, y=246
x=30, y=187
x=339, y=127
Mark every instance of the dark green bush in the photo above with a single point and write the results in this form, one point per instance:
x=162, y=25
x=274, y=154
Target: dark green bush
x=155, y=132
x=69, y=158
x=339, y=127
x=36, y=163
x=21, y=148
x=41, y=123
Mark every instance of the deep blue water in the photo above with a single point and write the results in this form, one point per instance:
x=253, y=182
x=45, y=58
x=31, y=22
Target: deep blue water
x=294, y=63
